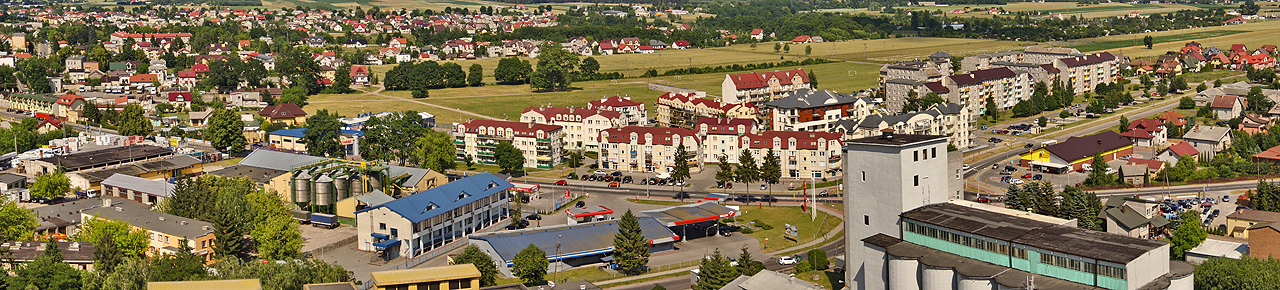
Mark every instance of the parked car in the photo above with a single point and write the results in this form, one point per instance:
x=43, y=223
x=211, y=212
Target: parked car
x=580, y=204
x=786, y=260
x=965, y=168
x=626, y=179
x=601, y=172
x=995, y=166
x=562, y=182
x=1027, y=175
x=616, y=173
x=984, y=199
x=764, y=186
x=728, y=185
x=615, y=184
x=682, y=195
x=1037, y=177
x=535, y=217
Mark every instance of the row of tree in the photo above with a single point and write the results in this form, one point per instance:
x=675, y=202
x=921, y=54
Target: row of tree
x=1072, y=203
x=748, y=170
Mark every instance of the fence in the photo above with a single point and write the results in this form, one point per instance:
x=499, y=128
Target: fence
x=330, y=247
x=613, y=276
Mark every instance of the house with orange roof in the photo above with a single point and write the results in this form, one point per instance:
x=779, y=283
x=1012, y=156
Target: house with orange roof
x=359, y=74
x=684, y=110
x=1146, y=132
x=757, y=34
x=69, y=107
x=145, y=79
x=1254, y=123
x=760, y=87
x=1172, y=118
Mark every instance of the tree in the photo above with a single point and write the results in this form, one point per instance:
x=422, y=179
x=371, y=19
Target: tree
x=748, y=265
x=280, y=276
x=777, y=46
x=1258, y=103
x=1179, y=84
x=17, y=223
x=512, y=71
x=474, y=256
x=51, y=185
x=47, y=271
x=1265, y=198
x=225, y=131
x=813, y=79
x=130, y=242
x=630, y=248
x=715, y=272
x=808, y=50
x=786, y=48
x=590, y=66
x=681, y=169
x=1098, y=173
x=1064, y=114
x=296, y=95
x=322, y=135
x=1124, y=124
x=1042, y=121
x=509, y=158
x=991, y=109
x=1187, y=235
x=1147, y=40
x=1199, y=88
x=277, y=238
x=106, y=255
x=1186, y=103
x=92, y=114
x=1249, y=8
x=748, y=171
x=555, y=68
x=818, y=259
x=182, y=265
x=530, y=265
x=475, y=77
x=1081, y=206
x=1145, y=80
x=726, y=173
x=133, y=122
x=771, y=169
x=468, y=160
x=421, y=94
x=435, y=151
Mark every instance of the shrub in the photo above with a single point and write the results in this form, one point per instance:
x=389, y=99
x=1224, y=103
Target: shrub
x=746, y=230
x=803, y=267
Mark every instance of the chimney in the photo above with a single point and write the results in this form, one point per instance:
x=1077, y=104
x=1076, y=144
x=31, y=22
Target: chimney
x=1099, y=141
x=887, y=133
x=204, y=228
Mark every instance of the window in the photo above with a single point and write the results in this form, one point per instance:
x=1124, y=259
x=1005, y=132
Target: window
x=394, y=232
x=382, y=226
x=917, y=180
x=864, y=176
x=916, y=155
x=866, y=220
x=935, y=152
x=459, y=284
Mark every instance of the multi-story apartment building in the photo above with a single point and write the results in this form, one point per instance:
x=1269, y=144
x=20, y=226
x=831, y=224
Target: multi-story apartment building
x=1047, y=54
x=633, y=112
x=920, y=71
x=1032, y=54
x=720, y=137
x=646, y=149
x=430, y=219
x=811, y=110
x=165, y=232
x=803, y=154
x=540, y=143
x=1083, y=73
x=1044, y=73
x=684, y=110
x=950, y=119
x=581, y=125
x=1003, y=85
x=897, y=91
x=762, y=87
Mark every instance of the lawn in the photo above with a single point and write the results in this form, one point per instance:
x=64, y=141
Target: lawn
x=1103, y=7
x=1256, y=33
x=1194, y=78
x=777, y=216
x=1137, y=40
x=571, y=275
x=891, y=49
x=825, y=278
x=351, y=105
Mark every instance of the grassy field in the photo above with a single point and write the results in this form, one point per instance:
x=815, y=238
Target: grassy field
x=1137, y=41
x=1104, y=7
x=777, y=216
x=1254, y=35
x=891, y=49
x=570, y=274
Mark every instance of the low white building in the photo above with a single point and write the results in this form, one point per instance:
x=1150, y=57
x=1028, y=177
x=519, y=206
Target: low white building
x=430, y=219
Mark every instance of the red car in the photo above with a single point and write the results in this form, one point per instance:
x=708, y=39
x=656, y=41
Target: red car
x=1028, y=175
x=984, y=199
x=562, y=182
x=615, y=184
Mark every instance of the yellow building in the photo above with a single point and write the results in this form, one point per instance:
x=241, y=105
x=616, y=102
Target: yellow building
x=244, y=284
x=286, y=113
x=165, y=232
x=464, y=276
x=1239, y=222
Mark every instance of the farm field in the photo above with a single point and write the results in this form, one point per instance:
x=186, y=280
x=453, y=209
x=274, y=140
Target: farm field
x=1180, y=38
x=1253, y=34
x=891, y=49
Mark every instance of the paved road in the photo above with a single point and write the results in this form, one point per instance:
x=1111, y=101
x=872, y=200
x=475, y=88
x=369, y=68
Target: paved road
x=833, y=248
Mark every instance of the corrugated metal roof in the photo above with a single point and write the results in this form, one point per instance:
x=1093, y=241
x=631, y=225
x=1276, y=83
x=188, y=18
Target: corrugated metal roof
x=245, y=284
x=432, y=274
x=138, y=184
x=419, y=206
x=375, y=198
x=277, y=160
x=677, y=215
x=595, y=237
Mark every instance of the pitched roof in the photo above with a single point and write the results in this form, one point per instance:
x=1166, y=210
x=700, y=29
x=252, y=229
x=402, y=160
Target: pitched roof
x=432, y=202
x=725, y=126
x=1255, y=215
x=1151, y=164
x=1183, y=149
x=978, y=76
x=520, y=129
x=1224, y=102
x=68, y=99
x=661, y=135
x=804, y=140
x=285, y=110
x=614, y=101
x=1207, y=133
x=571, y=114
x=1175, y=117
x=1076, y=148
x=807, y=98
x=1088, y=59
x=760, y=80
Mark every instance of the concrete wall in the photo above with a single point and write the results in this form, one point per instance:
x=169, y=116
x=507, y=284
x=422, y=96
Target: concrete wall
x=955, y=182
x=1148, y=267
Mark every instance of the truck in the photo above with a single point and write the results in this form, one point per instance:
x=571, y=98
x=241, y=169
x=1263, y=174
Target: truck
x=303, y=217
x=321, y=220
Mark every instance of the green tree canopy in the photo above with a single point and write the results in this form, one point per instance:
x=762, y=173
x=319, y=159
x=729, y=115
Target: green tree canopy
x=530, y=265
x=322, y=135
x=225, y=131
x=47, y=271
x=509, y=158
x=16, y=223
x=555, y=68
x=133, y=122
x=715, y=272
x=630, y=248
x=51, y=185
x=435, y=151
x=1187, y=236
x=473, y=255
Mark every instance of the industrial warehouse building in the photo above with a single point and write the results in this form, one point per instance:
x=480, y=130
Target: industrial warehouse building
x=1074, y=153
x=433, y=218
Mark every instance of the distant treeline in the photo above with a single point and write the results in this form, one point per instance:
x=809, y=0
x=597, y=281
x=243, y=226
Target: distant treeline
x=211, y=2
x=595, y=1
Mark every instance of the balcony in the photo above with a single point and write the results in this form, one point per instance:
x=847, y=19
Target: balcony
x=544, y=148
x=543, y=139
x=484, y=153
x=459, y=142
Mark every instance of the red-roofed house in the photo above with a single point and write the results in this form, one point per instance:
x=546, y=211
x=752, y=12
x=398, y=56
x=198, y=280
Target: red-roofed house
x=1172, y=118
x=632, y=112
x=802, y=39
x=1271, y=155
x=1170, y=155
x=145, y=79
x=541, y=143
x=69, y=106
x=757, y=34
x=187, y=78
x=49, y=125
x=179, y=97
x=720, y=137
x=1146, y=132
x=359, y=74
x=684, y=110
x=582, y=125
x=200, y=68
x=646, y=149
x=1227, y=107
x=803, y=154
x=761, y=87
x=1253, y=123
x=1153, y=166
x=287, y=113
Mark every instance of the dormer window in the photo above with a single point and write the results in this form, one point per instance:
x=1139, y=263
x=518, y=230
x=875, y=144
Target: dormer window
x=492, y=185
x=431, y=206
x=462, y=196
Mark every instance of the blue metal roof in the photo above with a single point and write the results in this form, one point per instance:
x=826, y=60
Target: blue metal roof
x=387, y=243
x=575, y=240
x=298, y=132
x=417, y=207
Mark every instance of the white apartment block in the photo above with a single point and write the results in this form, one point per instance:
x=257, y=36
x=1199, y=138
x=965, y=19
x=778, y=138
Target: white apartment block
x=632, y=111
x=810, y=110
x=581, y=125
x=646, y=149
x=762, y=87
x=802, y=154
x=720, y=137
x=920, y=71
x=1001, y=84
x=541, y=144
x=950, y=119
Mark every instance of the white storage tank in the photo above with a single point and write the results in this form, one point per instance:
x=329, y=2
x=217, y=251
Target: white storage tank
x=938, y=270
x=1181, y=275
x=302, y=187
x=324, y=190
x=904, y=265
x=977, y=276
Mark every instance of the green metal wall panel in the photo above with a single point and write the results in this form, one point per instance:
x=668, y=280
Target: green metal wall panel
x=1112, y=283
x=1066, y=274
x=958, y=249
x=1025, y=265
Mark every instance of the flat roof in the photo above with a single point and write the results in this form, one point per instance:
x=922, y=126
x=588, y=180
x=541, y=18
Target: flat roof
x=1063, y=239
x=24, y=251
x=975, y=268
x=420, y=275
x=142, y=185
x=690, y=213
x=243, y=284
x=578, y=240
x=79, y=160
x=257, y=174
x=588, y=211
x=897, y=140
x=141, y=215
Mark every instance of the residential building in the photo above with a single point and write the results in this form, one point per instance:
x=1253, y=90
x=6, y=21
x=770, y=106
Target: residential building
x=950, y=119
x=13, y=187
x=888, y=174
x=1146, y=132
x=1238, y=89
x=1239, y=222
x=540, y=143
x=145, y=191
x=359, y=75
x=1208, y=139
x=684, y=110
x=758, y=88
x=78, y=255
x=165, y=232
x=1254, y=123
x=1043, y=73
x=802, y=154
x=1005, y=87
x=462, y=276
x=1262, y=240
x=430, y=219
x=37, y=103
x=1076, y=152
x=1134, y=217
x=897, y=91
x=720, y=137
x=242, y=284
x=810, y=110
x=1271, y=155
x=1170, y=155
x=1172, y=118
x=633, y=112
x=646, y=149
x=1227, y=107
x=920, y=71
x=581, y=125
x=1219, y=247
x=1083, y=73
x=286, y=113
